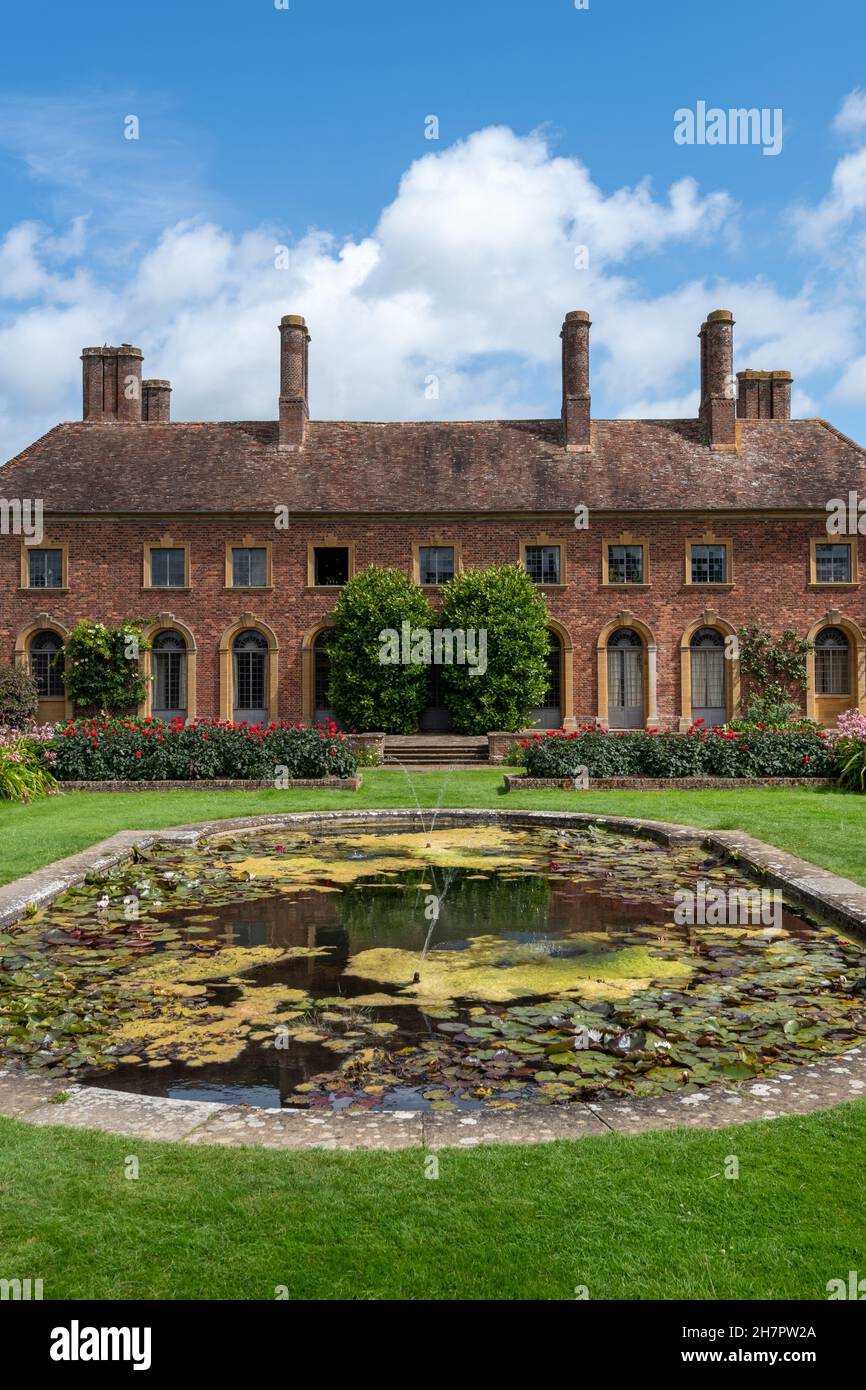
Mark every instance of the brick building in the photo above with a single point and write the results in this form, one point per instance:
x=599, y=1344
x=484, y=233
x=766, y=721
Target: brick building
x=230, y=538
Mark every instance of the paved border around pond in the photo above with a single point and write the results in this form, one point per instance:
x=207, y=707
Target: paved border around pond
x=819, y=1085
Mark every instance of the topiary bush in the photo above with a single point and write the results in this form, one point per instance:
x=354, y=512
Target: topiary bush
x=102, y=669
x=756, y=753
x=19, y=696
x=150, y=750
x=368, y=689
x=503, y=603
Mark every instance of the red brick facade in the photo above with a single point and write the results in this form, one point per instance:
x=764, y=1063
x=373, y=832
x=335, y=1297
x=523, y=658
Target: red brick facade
x=112, y=487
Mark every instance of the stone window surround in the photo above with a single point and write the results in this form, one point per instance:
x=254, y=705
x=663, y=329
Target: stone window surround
x=249, y=543
x=45, y=544
x=167, y=542
x=626, y=538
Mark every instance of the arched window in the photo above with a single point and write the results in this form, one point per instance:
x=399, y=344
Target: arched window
x=169, y=675
x=625, y=680
x=250, y=657
x=46, y=665
x=322, y=675
x=708, y=677
x=832, y=662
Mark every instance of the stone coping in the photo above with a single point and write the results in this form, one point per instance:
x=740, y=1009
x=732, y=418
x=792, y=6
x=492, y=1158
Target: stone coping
x=816, y=1086
x=219, y=784
x=515, y=782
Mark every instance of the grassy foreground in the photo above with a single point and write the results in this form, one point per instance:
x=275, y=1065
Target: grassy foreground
x=827, y=827
x=630, y=1218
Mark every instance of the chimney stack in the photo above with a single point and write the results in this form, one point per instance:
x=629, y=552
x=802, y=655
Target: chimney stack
x=764, y=395
x=111, y=378
x=718, y=404
x=576, y=412
x=294, y=382
x=156, y=401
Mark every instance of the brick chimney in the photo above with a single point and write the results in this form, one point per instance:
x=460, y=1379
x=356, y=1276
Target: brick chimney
x=156, y=401
x=764, y=395
x=718, y=404
x=111, y=378
x=576, y=412
x=294, y=382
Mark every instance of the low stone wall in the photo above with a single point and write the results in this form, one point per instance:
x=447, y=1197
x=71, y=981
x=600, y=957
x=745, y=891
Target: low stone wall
x=339, y=784
x=516, y=782
x=368, y=743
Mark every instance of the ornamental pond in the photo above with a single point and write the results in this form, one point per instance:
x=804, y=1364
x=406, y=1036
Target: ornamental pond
x=382, y=968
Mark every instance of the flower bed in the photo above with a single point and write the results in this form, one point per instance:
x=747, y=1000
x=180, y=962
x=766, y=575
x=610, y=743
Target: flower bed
x=753, y=753
x=149, y=750
x=26, y=763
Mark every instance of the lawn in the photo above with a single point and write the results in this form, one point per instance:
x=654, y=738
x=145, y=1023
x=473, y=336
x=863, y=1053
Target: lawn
x=631, y=1218
x=827, y=827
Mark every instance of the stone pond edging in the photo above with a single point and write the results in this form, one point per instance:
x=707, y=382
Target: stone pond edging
x=819, y=1085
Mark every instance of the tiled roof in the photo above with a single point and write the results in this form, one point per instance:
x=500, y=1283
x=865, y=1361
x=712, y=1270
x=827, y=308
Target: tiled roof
x=482, y=466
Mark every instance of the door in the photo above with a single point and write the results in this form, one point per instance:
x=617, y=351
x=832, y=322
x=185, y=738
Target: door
x=833, y=683
x=548, y=715
x=435, y=717
x=250, y=658
x=46, y=668
x=169, y=677
x=708, y=678
x=625, y=680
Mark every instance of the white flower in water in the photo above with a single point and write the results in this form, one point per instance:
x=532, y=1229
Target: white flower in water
x=103, y=902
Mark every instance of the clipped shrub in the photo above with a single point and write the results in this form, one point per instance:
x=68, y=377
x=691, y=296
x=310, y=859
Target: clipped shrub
x=102, y=669
x=756, y=753
x=150, y=750
x=368, y=690
x=503, y=603
x=19, y=696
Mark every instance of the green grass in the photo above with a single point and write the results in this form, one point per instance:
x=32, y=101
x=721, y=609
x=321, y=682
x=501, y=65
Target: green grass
x=631, y=1218
x=827, y=827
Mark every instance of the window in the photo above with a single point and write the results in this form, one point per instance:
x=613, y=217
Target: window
x=167, y=567
x=542, y=563
x=330, y=565
x=435, y=564
x=250, y=567
x=45, y=569
x=832, y=563
x=709, y=564
x=625, y=564
x=169, y=668
x=322, y=674
x=46, y=665
x=832, y=663
x=250, y=677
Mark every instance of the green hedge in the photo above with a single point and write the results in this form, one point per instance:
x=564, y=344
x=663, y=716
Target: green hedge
x=711, y=753
x=366, y=692
x=89, y=750
x=504, y=604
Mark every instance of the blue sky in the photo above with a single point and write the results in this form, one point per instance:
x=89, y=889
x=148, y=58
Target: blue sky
x=412, y=258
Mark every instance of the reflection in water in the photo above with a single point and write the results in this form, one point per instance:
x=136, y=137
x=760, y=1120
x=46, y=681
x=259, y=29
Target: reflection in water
x=610, y=920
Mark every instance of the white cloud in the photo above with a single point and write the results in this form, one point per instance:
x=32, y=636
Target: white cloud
x=467, y=277
x=850, y=119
